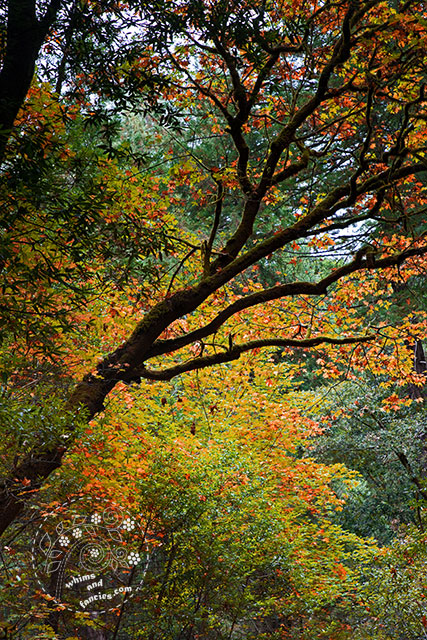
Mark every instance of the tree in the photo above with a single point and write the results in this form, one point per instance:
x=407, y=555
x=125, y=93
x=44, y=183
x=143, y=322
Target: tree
x=68, y=41
x=65, y=236
x=242, y=539
x=394, y=595
x=325, y=110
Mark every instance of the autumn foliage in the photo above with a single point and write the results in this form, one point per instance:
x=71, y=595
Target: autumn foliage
x=212, y=224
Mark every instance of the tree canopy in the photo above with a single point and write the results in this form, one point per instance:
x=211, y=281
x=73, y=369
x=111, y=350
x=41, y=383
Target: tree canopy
x=193, y=186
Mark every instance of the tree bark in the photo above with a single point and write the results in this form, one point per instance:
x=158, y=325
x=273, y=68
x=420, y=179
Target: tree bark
x=419, y=367
x=24, y=37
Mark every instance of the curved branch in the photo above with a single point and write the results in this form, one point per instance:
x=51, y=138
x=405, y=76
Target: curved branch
x=236, y=351
x=359, y=262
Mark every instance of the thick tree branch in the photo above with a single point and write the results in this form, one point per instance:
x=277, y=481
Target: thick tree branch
x=280, y=291
x=237, y=350
x=292, y=169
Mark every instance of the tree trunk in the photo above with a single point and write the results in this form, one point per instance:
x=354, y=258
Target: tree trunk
x=24, y=38
x=419, y=367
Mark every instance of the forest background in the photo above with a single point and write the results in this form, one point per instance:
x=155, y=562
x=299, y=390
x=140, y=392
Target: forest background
x=212, y=249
